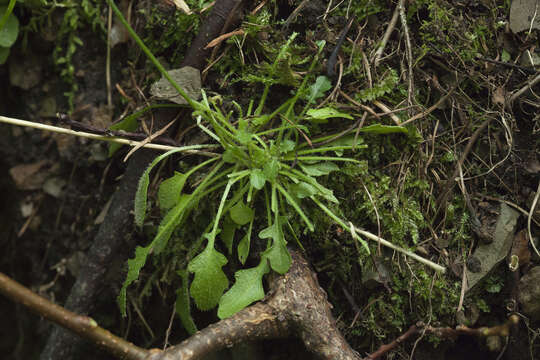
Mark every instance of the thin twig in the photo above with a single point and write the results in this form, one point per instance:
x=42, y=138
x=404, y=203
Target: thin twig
x=450, y=181
x=529, y=217
x=81, y=325
x=192, y=149
x=430, y=109
x=509, y=203
x=108, y=60
x=149, y=139
x=223, y=37
x=386, y=37
x=295, y=13
x=387, y=111
x=447, y=333
x=521, y=91
x=408, y=48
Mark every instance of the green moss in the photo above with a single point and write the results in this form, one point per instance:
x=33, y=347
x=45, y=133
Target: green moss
x=170, y=32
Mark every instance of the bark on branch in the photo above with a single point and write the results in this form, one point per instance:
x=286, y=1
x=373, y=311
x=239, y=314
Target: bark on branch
x=295, y=306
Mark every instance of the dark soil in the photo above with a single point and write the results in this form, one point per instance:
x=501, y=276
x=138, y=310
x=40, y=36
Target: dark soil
x=46, y=235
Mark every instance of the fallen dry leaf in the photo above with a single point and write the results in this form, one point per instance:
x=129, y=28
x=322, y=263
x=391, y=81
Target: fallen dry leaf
x=31, y=176
x=181, y=5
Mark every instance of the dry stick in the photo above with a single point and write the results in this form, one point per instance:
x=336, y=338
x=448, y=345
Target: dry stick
x=447, y=333
x=387, y=111
x=450, y=182
x=362, y=106
x=386, y=37
x=79, y=126
x=529, y=217
x=223, y=37
x=430, y=109
x=403, y=18
x=149, y=139
x=87, y=135
x=520, y=92
x=509, y=203
x=295, y=13
x=79, y=324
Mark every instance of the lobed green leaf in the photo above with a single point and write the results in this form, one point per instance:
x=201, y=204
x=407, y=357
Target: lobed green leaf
x=134, y=267
x=277, y=254
x=209, y=281
x=247, y=289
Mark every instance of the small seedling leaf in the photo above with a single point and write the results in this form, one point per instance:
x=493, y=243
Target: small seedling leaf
x=241, y=213
x=278, y=255
x=4, y=53
x=280, y=259
x=302, y=190
x=243, y=247
x=323, y=114
x=322, y=84
x=271, y=169
x=227, y=235
x=142, y=189
x=286, y=145
x=170, y=189
x=170, y=221
x=257, y=179
x=244, y=137
x=183, y=304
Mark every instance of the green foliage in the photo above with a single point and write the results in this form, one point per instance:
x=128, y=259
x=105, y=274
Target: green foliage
x=399, y=210
x=258, y=169
x=414, y=294
x=387, y=85
x=247, y=289
x=323, y=114
x=494, y=284
x=78, y=16
x=210, y=281
x=170, y=32
x=182, y=304
x=440, y=34
x=9, y=29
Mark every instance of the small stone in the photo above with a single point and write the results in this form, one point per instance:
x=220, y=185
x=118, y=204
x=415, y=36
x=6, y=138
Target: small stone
x=188, y=78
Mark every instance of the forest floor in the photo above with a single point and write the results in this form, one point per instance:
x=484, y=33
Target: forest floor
x=458, y=188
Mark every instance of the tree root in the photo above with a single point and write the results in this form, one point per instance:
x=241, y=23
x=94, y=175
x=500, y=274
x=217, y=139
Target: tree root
x=295, y=306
